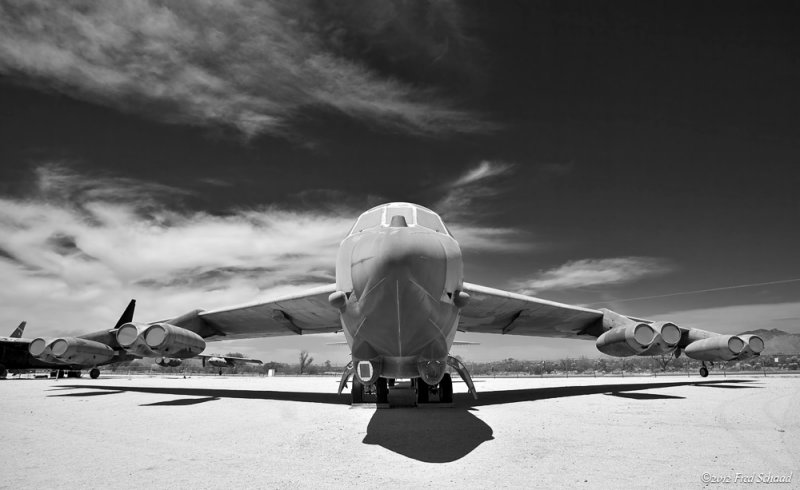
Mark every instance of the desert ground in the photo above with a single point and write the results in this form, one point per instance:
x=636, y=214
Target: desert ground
x=296, y=432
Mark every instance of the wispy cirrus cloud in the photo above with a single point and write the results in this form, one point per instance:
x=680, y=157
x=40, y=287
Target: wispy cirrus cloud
x=254, y=66
x=479, y=182
x=592, y=272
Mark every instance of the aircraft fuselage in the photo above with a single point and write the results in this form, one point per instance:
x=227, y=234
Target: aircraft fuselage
x=401, y=281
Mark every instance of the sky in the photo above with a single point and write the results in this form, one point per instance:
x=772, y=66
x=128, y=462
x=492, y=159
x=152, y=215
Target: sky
x=626, y=155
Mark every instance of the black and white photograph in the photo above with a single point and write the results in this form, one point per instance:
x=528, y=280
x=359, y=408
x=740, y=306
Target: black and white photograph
x=399, y=244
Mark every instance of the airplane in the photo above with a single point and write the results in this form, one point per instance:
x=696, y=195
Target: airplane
x=99, y=348
x=400, y=297
x=70, y=354
x=216, y=361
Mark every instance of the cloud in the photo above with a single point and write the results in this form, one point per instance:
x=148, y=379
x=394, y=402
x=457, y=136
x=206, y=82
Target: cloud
x=258, y=67
x=478, y=183
x=77, y=248
x=592, y=272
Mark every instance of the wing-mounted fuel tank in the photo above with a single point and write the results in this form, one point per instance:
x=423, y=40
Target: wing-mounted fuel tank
x=71, y=351
x=159, y=339
x=624, y=337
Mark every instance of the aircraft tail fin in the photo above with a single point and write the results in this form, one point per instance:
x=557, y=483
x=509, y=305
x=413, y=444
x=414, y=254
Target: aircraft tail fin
x=127, y=315
x=18, y=332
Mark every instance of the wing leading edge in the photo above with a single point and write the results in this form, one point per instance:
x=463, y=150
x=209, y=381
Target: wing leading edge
x=501, y=312
x=303, y=313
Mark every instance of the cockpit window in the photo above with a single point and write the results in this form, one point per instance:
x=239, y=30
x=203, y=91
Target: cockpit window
x=430, y=221
x=372, y=219
x=404, y=211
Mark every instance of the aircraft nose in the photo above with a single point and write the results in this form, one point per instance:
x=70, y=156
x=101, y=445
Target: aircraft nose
x=400, y=253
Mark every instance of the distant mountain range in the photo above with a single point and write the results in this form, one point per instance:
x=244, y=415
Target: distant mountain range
x=778, y=342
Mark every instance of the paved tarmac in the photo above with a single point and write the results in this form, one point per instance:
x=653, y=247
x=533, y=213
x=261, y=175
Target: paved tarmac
x=289, y=432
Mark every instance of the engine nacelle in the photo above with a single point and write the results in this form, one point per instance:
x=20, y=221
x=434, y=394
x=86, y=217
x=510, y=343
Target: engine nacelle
x=168, y=362
x=130, y=337
x=753, y=346
x=159, y=339
x=717, y=348
x=666, y=338
x=178, y=342
x=40, y=349
x=72, y=350
x=625, y=341
x=219, y=362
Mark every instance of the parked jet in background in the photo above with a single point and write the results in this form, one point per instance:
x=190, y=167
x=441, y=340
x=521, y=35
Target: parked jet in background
x=212, y=360
x=400, y=297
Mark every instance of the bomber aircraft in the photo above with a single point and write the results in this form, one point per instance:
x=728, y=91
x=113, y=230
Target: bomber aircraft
x=400, y=297
x=88, y=351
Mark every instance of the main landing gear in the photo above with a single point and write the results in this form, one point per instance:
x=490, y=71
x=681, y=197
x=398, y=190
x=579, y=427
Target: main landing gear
x=94, y=373
x=704, y=369
x=441, y=393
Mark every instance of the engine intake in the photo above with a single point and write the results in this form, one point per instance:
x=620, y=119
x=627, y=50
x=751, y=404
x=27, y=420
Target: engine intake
x=666, y=338
x=626, y=341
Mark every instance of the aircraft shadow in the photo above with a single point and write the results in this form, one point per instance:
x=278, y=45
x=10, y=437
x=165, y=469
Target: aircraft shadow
x=430, y=435
x=515, y=396
x=181, y=401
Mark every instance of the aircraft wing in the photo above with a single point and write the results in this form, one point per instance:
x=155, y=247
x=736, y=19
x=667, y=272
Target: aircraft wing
x=496, y=311
x=302, y=313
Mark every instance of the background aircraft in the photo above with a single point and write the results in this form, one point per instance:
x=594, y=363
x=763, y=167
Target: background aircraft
x=212, y=360
x=73, y=354
x=400, y=297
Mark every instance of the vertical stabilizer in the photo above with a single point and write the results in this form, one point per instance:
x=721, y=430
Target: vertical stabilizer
x=16, y=334
x=127, y=315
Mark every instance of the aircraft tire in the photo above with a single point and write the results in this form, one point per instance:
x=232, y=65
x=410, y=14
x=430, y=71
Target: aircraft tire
x=3, y=372
x=382, y=390
x=703, y=372
x=423, y=390
x=94, y=373
x=446, y=389
x=357, y=391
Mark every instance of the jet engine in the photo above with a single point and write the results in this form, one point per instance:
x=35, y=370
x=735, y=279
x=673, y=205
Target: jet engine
x=666, y=338
x=753, y=345
x=71, y=350
x=624, y=341
x=159, y=339
x=39, y=348
x=217, y=362
x=718, y=348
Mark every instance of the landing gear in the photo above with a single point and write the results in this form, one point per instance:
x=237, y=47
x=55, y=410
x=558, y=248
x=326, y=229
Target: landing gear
x=382, y=390
x=423, y=391
x=357, y=391
x=441, y=393
x=703, y=370
x=3, y=372
x=94, y=373
x=446, y=389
